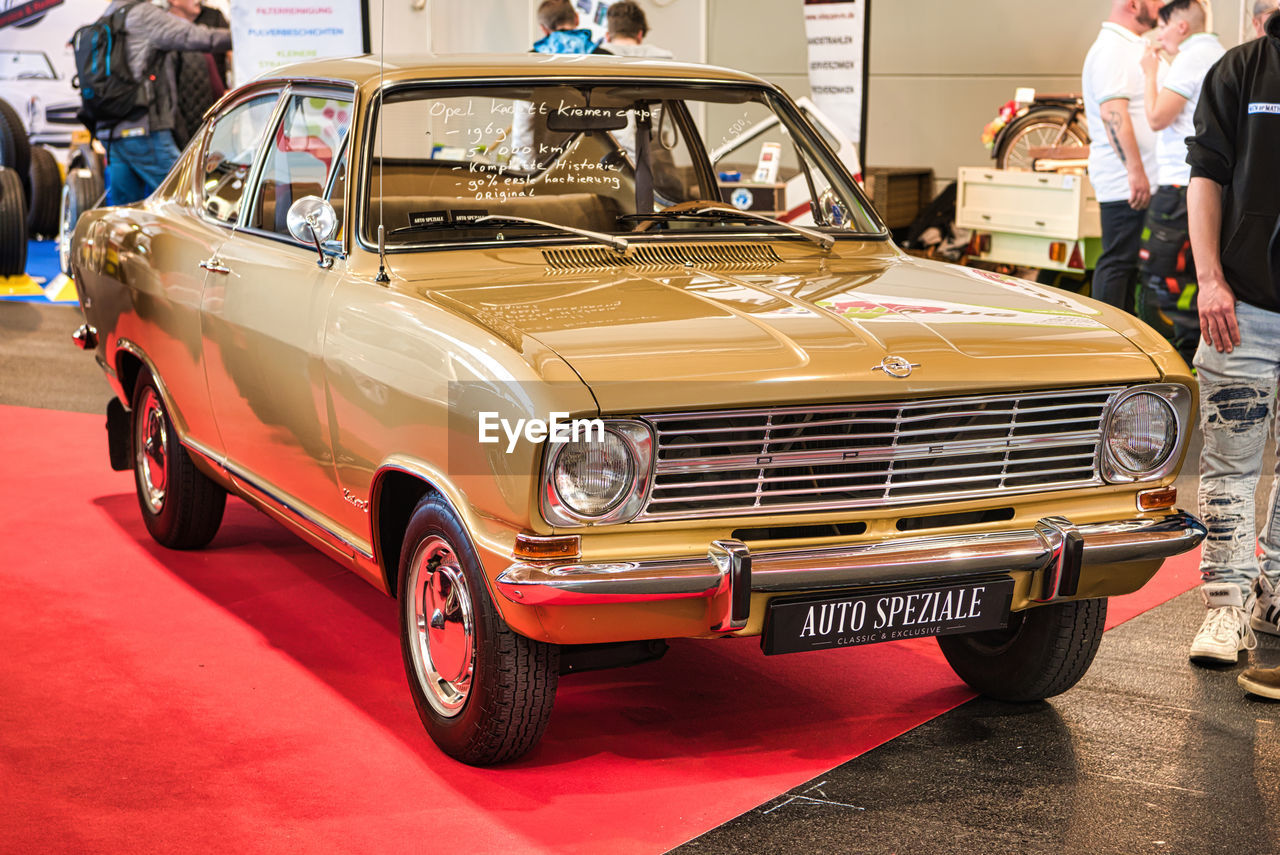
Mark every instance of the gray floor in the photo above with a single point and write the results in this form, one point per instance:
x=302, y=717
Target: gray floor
x=1146, y=754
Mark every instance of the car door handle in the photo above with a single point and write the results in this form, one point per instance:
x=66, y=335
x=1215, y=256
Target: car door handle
x=215, y=265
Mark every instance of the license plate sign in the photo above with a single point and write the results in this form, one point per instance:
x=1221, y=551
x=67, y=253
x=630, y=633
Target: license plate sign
x=870, y=617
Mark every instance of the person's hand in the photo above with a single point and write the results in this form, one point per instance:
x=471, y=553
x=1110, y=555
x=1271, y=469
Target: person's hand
x=1217, y=307
x=1151, y=59
x=1139, y=189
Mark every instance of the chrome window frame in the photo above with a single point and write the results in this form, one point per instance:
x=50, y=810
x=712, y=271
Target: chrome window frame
x=222, y=108
x=784, y=102
x=303, y=89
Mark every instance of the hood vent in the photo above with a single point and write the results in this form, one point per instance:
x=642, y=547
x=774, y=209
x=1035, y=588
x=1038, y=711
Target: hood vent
x=663, y=255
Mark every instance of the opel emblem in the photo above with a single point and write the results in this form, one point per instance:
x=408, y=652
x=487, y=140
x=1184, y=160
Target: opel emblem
x=896, y=366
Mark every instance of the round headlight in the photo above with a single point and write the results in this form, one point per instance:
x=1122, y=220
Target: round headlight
x=1142, y=433
x=593, y=477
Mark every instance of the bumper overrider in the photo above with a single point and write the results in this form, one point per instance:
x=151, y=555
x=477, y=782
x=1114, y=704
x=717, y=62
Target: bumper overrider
x=1055, y=549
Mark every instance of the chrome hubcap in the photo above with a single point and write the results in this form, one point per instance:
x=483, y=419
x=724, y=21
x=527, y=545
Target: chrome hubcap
x=151, y=451
x=442, y=623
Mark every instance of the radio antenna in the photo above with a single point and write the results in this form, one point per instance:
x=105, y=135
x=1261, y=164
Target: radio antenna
x=382, y=278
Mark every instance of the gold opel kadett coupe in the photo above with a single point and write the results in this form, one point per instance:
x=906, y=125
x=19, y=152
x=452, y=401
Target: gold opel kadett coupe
x=518, y=341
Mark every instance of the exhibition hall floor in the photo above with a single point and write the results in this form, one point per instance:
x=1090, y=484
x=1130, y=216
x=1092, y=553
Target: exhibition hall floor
x=249, y=698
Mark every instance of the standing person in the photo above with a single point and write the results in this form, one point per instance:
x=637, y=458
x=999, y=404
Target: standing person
x=531, y=144
x=200, y=77
x=1233, y=201
x=1122, y=147
x=1168, y=268
x=558, y=21
x=625, y=29
x=141, y=148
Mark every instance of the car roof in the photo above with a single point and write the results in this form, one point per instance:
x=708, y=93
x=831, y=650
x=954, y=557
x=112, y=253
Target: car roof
x=365, y=71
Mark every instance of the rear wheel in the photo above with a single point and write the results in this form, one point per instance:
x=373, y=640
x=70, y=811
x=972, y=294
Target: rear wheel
x=1043, y=652
x=1042, y=127
x=483, y=692
x=13, y=224
x=181, y=507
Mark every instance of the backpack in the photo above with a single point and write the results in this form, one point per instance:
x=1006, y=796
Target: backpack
x=108, y=91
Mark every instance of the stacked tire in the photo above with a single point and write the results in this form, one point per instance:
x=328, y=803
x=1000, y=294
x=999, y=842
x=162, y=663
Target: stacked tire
x=13, y=224
x=46, y=194
x=15, y=147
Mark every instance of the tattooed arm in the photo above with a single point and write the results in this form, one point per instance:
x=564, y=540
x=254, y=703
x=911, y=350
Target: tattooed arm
x=1115, y=116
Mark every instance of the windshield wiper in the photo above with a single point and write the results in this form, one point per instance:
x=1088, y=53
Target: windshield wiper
x=620, y=244
x=495, y=220
x=718, y=213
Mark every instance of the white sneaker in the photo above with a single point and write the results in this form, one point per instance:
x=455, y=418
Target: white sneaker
x=1265, y=615
x=1225, y=631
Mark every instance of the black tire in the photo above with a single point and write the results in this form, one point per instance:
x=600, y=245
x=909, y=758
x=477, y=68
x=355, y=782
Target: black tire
x=181, y=507
x=13, y=224
x=1037, y=128
x=82, y=191
x=15, y=147
x=483, y=692
x=46, y=193
x=85, y=157
x=1043, y=652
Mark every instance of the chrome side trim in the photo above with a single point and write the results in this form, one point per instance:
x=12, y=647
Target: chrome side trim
x=1047, y=547
x=282, y=506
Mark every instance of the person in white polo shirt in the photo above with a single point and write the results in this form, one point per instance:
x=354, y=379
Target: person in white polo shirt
x=1168, y=267
x=1122, y=145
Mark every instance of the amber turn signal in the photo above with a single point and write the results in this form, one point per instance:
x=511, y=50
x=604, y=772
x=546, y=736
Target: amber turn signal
x=533, y=547
x=1058, y=251
x=1157, y=499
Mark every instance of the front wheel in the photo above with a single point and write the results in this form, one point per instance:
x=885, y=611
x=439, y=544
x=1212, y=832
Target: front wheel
x=483, y=692
x=181, y=507
x=1041, y=653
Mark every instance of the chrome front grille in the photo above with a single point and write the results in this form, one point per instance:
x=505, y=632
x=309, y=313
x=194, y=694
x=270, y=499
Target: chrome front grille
x=728, y=463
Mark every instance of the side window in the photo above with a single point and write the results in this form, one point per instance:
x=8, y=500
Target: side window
x=302, y=153
x=229, y=155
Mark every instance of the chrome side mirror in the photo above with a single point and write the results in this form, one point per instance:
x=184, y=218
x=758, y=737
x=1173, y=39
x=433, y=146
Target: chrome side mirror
x=313, y=220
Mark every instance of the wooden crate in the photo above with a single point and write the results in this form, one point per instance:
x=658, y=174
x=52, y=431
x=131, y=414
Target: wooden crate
x=899, y=192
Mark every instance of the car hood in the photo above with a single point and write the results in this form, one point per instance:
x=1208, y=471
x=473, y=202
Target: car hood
x=822, y=330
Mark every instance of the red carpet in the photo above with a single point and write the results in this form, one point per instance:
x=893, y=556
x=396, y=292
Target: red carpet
x=250, y=698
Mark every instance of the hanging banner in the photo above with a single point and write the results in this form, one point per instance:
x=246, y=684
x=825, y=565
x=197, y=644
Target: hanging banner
x=267, y=34
x=836, y=31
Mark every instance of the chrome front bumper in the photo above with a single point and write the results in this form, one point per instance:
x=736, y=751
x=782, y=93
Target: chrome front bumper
x=730, y=572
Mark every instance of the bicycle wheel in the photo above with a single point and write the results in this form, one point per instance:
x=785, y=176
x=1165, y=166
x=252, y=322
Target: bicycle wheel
x=1037, y=128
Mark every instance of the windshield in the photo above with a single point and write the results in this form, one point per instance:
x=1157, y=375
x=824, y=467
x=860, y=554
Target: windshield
x=25, y=65
x=623, y=159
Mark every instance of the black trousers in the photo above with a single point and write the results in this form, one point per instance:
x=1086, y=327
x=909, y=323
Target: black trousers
x=1117, y=270
x=1168, y=269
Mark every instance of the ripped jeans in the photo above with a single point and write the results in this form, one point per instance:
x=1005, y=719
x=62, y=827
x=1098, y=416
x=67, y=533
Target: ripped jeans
x=1237, y=405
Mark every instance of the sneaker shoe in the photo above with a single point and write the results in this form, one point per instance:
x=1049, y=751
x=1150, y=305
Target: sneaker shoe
x=1261, y=681
x=1265, y=615
x=1225, y=631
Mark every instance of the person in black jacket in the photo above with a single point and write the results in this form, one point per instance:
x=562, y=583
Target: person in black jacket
x=1233, y=206
x=201, y=78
